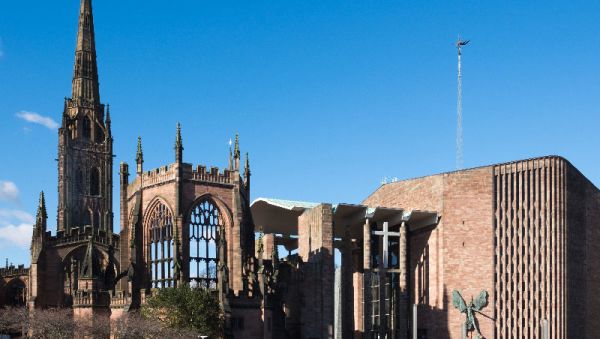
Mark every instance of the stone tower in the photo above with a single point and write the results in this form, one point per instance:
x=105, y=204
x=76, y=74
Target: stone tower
x=85, y=143
x=78, y=267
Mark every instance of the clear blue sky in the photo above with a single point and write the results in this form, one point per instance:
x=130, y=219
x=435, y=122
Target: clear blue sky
x=329, y=97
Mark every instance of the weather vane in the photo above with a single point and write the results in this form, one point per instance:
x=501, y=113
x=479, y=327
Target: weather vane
x=474, y=306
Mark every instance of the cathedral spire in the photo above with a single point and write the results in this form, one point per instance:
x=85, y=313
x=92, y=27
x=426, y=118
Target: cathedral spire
x=85, y=75
x=178, y=145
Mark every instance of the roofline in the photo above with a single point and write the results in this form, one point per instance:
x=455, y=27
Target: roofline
x=486, y=166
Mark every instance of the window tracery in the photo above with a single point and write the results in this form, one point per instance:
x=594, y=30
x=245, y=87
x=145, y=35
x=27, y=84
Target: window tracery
x=160, y=225
x=205, y=222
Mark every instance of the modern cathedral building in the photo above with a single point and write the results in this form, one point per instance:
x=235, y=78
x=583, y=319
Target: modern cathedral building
x=527, y=233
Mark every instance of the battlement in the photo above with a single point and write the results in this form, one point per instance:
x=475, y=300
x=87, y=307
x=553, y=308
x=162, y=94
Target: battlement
x=159, y=175
x=168, y=173
x=13, y=271
x=81, y=234
x=212, y=175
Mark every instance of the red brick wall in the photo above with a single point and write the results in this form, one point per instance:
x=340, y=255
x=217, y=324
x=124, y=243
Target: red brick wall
x=315, y=227
x=460, y=248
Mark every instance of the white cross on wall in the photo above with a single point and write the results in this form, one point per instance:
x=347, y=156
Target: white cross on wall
x=386, y=234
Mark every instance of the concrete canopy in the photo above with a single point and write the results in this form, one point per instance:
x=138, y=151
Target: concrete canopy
x=281, y=216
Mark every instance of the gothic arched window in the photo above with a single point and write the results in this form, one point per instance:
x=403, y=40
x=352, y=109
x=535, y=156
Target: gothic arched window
x=87, y=128
x=16, y=292
x=79, y=182
x=99, y=134
x=160, y=225
x=205, y=221
x=94, y=181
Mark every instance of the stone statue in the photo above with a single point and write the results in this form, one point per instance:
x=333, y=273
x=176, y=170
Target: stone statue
x=474, y=306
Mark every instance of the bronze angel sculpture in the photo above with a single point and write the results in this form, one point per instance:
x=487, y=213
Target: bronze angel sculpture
x=474, y=306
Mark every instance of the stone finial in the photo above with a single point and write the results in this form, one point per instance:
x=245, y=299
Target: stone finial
x=107, y=120
x=236, y=150
x=230, y=164
x=178, y=145
x=247, y=166
x=139, y=157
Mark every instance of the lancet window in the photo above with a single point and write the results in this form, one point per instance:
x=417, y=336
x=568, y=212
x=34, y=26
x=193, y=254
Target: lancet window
x=94, y=181
x=205, y=222
x=87, y=128
x=160, y=225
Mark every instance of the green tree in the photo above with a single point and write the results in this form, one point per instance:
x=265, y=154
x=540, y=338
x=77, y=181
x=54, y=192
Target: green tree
x=185, y=307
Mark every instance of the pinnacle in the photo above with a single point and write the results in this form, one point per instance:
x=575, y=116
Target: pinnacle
x=139, y=155
x=42, y=206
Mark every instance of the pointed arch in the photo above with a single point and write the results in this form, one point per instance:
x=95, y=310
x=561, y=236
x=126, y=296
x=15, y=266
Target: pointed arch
x=99, y=131
x=87, y=128
x=16, y=292
x=94, y=181
x=158, y=228
x=205, y=221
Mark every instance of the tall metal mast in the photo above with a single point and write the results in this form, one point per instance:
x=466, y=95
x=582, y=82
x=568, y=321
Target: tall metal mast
x=459, y=129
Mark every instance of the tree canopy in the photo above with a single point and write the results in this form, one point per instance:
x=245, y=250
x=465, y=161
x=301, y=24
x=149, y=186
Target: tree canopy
x=186, y=307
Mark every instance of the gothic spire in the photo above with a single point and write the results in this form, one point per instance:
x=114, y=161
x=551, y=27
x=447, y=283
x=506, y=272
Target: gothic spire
x=85, y=75
x=41, y=212
x=178, y=145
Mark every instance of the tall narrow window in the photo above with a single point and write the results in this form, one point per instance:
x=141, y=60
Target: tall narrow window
x=205, y=221
x=87, y=128
x=94, y=181
x=160, y=225
x=99, y=134
x=79, y=185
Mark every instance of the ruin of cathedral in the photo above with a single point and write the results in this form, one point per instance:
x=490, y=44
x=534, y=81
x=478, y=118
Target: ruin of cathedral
x=525, y=232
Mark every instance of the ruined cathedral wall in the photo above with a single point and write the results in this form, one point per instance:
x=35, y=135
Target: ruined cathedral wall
x=315, y=227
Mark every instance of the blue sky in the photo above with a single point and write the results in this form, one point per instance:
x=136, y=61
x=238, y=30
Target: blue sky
x=329, y=97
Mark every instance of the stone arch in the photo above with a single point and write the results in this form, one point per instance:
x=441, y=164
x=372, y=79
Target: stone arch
x=223, y=207
x=87, y=128
x=99, y=131
x=159, y=246
x=205, y=220
x=15, y=292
